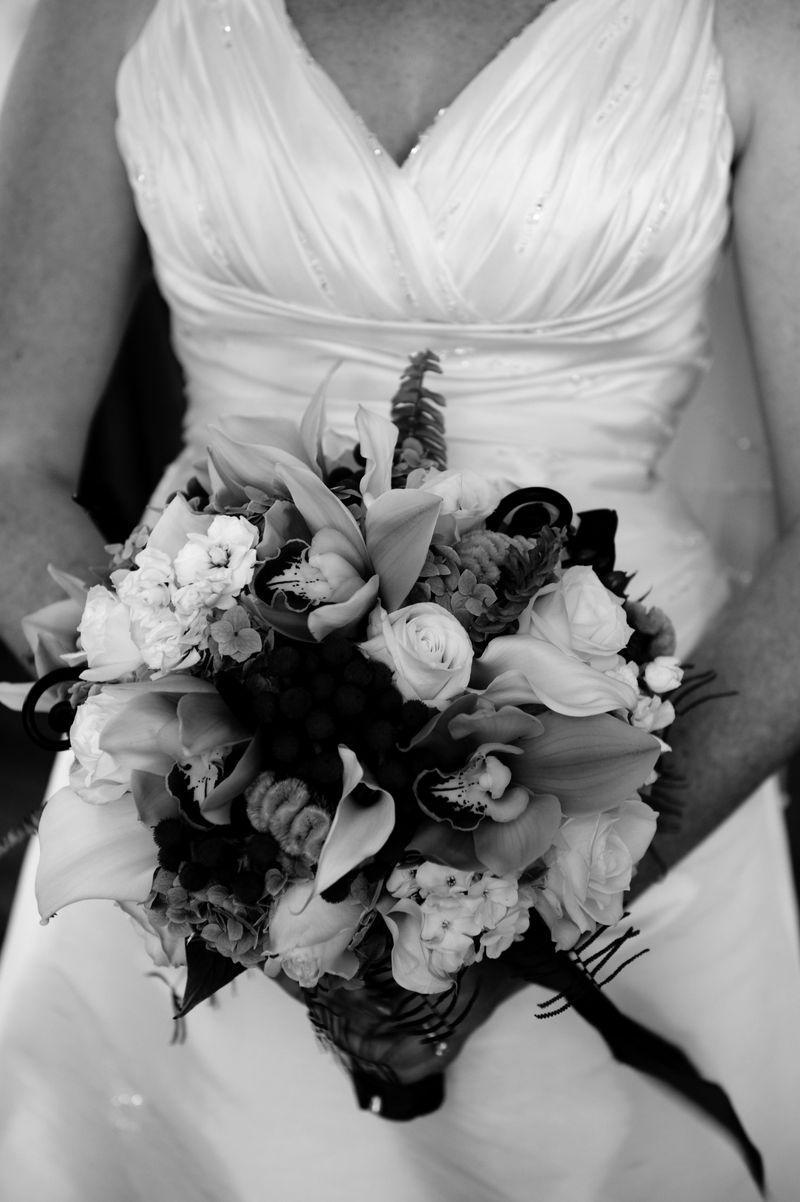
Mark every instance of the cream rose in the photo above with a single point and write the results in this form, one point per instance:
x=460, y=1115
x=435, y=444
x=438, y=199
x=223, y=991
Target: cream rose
x=467, y=497
x=589, y=867
x=580, y=615
x=105, y=636
x=95, y=775
x=427, y=649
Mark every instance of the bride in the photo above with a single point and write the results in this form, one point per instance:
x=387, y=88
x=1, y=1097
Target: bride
x=540, y=192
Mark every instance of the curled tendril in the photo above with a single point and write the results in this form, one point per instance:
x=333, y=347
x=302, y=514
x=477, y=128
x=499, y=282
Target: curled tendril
x=60, y=716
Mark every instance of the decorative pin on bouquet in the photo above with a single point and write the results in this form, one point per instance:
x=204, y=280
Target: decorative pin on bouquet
x=361, y=721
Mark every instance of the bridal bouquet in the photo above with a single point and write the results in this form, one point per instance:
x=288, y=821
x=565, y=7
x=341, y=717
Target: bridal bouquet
x=340, y=714
x=378, y=727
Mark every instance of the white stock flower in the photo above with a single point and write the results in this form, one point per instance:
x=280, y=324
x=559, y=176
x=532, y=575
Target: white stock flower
x=165, y=641
x=426, y=647
x=149, y=583
x=211, y=569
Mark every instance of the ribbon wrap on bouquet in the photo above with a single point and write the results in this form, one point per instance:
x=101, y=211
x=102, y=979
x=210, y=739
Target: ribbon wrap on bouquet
x=389, y=1038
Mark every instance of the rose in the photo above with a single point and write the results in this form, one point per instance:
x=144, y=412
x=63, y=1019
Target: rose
x=580, y=615
x=105, y=635
x=95, y=775
x=310, y=936
x=426, y=647
x=589, y=867
x=663, y=674
x=466, y=496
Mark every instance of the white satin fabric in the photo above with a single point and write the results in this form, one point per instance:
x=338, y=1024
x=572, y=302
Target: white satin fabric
x=552, y=237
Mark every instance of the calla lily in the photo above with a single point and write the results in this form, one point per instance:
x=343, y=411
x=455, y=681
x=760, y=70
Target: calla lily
x=524, y=670
x=358, y=831
x=410, y=965
x=92, y=852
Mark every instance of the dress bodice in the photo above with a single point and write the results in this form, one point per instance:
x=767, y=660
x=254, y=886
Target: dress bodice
x=551, y=236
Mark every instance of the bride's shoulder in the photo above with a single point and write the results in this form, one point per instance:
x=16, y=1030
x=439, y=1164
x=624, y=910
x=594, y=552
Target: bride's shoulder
x=760, y=45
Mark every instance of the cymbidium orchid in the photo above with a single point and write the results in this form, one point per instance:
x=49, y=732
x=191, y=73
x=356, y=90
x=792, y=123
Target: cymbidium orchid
x=384, y=559
x=108, y=846
x=517, y=773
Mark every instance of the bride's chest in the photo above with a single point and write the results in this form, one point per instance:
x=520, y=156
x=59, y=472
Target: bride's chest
x=400, y=62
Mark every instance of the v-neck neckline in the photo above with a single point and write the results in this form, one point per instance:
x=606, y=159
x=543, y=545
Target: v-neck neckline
x=425, y=136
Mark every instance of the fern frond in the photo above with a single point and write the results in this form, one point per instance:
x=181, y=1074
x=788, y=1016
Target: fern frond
x=417, y=412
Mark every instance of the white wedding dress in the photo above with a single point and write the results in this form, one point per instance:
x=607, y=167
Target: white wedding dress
x=552, y=238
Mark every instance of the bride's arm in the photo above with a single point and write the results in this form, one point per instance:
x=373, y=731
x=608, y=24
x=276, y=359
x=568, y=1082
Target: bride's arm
x=70, y=262
x=726, y=748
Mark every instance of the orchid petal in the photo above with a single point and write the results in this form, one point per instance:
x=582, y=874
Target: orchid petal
x=343, y=615
x=176, y=683
x=253, y=442
x=250, y=452
x=377, y=438
x=440, y=842
x=207, y=724
x=92, y=851
x=589, y=763
x=177, y=522
x=13, y=696
x=513, y=846
x=357, y=831
x=74, y=588
x=287, y=621
x=145, y=734
x=282, y=523
x=561, y=682
x=399, y=527
x=312, y=424
x=216, y=806
x=154, y=802
x=322, y=510
x=501, y=726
